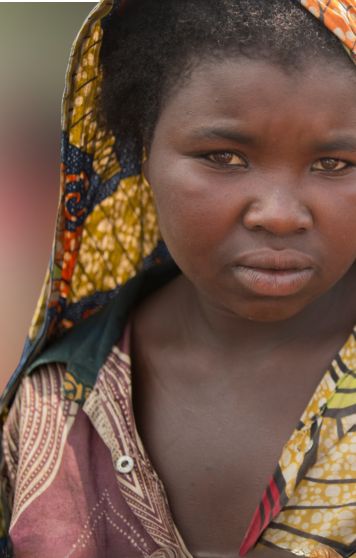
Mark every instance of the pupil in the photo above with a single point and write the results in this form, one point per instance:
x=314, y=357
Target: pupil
x=329, y=164
x=225, y=157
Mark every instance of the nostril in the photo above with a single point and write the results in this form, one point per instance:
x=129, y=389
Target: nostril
x=279, y=216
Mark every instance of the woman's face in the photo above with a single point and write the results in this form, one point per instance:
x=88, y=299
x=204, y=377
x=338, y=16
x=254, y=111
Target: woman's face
x=253, y=170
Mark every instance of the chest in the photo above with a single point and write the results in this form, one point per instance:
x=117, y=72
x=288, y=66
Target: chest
x=215, y=442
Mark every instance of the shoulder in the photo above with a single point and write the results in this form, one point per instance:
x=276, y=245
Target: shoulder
x=34, y=434
x=46, y=381
x=42, y=386
x=40, y=414
x=39, y=406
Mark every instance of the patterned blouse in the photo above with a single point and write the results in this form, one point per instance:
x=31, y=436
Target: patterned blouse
x=81, y=484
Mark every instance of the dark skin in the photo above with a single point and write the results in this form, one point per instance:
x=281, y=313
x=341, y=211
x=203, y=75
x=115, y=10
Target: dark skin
x=221, y=372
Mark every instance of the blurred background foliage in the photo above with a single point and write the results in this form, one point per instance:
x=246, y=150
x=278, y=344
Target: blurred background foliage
x=35, y=41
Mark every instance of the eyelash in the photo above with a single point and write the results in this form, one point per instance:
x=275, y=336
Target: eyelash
x=345, y=164
x=209, y=157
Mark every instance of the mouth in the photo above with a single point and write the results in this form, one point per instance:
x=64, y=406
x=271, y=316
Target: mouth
x=271, y=273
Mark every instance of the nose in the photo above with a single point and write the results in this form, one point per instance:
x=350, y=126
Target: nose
x=279, y=211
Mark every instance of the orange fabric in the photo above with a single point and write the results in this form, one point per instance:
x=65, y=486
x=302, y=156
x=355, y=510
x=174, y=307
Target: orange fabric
x=339, y=16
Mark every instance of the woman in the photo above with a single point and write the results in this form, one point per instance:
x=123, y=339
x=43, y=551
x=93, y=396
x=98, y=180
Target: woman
x=245, y=114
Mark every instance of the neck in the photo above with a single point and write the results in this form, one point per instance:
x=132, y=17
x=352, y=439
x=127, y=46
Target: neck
x=331, y=313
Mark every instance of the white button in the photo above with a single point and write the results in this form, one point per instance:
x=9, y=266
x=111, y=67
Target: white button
x=125, y=464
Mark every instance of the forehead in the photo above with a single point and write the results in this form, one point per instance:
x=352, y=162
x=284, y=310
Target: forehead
x=258, y=93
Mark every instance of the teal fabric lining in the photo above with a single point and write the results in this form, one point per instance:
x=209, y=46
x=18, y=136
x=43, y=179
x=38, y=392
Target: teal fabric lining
x=85, y=348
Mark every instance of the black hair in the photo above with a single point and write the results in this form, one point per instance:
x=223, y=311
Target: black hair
x=151, y=45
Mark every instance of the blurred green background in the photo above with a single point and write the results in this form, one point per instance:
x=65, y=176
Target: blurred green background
x=35, y=41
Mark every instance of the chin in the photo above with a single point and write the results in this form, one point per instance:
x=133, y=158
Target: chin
x=269, y=312
x=268, y=318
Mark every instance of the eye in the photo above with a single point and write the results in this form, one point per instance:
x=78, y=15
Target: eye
x=227, y=159
x=329, y=164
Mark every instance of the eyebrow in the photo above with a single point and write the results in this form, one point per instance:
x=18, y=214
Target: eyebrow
x=337, y=144
x=224, y=133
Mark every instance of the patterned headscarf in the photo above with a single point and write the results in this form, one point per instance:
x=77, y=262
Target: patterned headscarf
x=107, y=229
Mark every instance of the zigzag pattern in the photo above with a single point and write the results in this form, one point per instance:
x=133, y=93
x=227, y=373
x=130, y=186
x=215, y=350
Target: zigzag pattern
x=108, y=407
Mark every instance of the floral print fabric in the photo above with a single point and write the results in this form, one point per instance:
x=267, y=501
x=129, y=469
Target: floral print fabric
x=339, y=16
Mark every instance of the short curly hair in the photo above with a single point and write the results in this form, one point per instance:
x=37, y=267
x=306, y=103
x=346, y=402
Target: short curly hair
x=151, y=46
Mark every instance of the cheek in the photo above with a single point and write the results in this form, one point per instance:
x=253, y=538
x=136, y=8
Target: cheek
x=336, y=214
x=195, y=216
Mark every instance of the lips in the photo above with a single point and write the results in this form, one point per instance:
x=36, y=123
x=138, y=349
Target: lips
x=277, y=260
x=274, y=273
